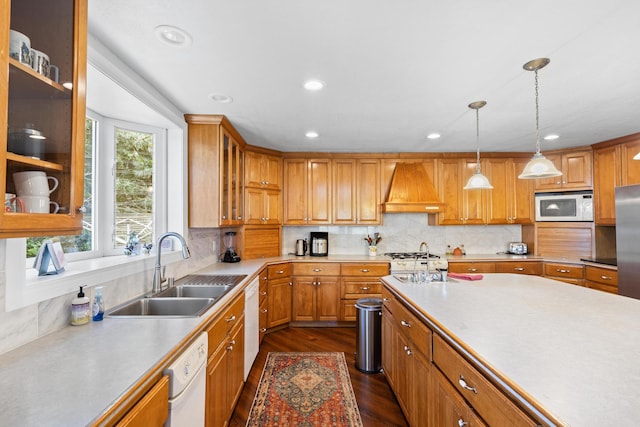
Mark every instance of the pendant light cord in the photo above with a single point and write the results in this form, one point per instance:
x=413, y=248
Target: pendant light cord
x=477, y=141
x=537, y=114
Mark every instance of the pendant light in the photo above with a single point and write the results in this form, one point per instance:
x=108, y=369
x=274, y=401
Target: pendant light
x=539, y=166
x=478, y=181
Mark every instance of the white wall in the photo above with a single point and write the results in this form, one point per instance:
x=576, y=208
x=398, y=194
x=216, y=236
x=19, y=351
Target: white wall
x=404, y=232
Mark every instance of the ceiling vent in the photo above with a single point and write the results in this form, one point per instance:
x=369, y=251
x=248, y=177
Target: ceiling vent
x=411, y=191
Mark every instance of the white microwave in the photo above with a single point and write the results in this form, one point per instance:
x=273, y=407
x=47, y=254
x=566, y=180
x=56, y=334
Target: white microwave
x=575, y=206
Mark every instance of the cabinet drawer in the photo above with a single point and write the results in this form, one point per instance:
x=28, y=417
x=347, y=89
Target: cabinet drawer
x=316, y=269
x=489, y=402
x=279, y=270
x=353, y=289
x=606, y=287
x=605, y=276
x=571, y=271
x=472, y=267
x=223, y=323
x=518, y=267
x=413, y=328
x=365, y=270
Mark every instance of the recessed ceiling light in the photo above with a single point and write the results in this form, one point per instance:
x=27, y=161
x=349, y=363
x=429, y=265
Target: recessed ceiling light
x=221, y=98
x=173, y=36
x=551, y=137
x=314, y=85
x=433, y=136
x=312, y=134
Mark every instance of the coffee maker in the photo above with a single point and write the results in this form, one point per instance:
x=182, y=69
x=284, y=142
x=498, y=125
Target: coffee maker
x=319, y=243
x=230, y=254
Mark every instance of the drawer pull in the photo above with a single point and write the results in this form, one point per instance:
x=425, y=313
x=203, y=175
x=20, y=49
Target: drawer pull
x=263, y=293
x=365, y=288
x=606, y=277
x=464, y=385
x=317, y=270
x=365, y=270
x=280, y=272
x=264, y=310
x=562, y=270
x=462, y=423
x=386, y=299
x=231, y=319
x=407, y=350
x=518, y=269
x=263, y=330
x=473, y=270
x=405, y=323
x=264, y=278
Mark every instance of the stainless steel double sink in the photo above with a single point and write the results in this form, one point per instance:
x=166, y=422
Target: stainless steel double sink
x=191, y=296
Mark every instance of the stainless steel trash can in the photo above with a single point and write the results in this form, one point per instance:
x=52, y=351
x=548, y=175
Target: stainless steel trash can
x=369, y=335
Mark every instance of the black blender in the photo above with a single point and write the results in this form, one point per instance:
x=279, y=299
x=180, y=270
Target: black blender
x=230, y=254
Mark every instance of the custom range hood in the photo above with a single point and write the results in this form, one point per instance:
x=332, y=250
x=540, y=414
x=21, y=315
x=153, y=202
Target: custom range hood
x=411, y=191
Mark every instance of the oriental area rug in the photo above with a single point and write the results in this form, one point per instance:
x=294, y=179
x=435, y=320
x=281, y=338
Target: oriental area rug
x=305, y=389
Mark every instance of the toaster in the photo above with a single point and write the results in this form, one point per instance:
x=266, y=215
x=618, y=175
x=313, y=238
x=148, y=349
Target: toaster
x=517, y=248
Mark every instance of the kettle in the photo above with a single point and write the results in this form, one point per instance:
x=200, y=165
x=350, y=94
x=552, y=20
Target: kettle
x=301, y=247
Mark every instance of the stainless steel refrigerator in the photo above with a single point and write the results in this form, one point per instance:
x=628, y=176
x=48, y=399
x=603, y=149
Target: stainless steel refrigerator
x=628, y=240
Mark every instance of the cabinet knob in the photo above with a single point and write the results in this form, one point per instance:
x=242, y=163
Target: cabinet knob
x=606, y=277
x=263, y=330
x=465, y=386
x=263, y=294
x=462, y=423
x=562, y=270
x=82, y=209
x=386, y=299
x=407, y=350
x=232, y=318
x=280, y=272
x=264, y=310
x=518, y=269
x=473, y=270
x=316, y=270
x=365, y=270
x=405, y=323
x=365, y=288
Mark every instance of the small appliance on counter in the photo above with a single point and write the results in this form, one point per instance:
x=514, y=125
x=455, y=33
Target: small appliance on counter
x=230, y=254
x=319, y=243
x=301, y=247
x=517, y=248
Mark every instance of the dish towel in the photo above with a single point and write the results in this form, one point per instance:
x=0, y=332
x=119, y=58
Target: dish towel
x=466, y=276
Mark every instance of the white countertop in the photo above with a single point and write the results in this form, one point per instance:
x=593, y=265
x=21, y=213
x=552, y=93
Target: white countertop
x=574, y=350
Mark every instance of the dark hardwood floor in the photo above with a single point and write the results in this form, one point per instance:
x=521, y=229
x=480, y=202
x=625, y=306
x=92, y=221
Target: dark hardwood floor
x=377, y=404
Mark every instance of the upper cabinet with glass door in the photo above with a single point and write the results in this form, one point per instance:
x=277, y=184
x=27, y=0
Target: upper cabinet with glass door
x=43, y=46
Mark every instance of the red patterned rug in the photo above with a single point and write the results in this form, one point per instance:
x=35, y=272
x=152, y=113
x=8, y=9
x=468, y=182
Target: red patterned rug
x=305, y=389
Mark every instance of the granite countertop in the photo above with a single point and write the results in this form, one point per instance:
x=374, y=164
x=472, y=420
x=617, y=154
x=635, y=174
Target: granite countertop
x=573, y=350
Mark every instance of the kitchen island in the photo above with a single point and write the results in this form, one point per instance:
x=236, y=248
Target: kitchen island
x=565, y=354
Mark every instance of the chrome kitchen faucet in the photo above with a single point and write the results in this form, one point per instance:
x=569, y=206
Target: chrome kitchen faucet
x=158, y=273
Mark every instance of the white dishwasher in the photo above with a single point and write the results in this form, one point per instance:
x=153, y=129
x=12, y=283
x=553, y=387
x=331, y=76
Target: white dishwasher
x=251, y=325
x=187, y=385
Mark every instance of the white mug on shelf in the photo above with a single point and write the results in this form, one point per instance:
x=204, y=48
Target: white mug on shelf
x=34, y=183
x=54, y=73
x=40, y=62
x=39, y=204
x=20, y=47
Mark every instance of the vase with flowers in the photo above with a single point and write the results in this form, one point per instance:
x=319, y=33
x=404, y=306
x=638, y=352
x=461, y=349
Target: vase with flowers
x=373, y=243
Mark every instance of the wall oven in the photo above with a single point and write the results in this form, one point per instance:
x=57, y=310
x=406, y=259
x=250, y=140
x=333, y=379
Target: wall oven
x=574, y=206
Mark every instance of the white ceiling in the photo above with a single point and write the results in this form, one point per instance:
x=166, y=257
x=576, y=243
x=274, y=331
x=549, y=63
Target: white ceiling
x=395, y=70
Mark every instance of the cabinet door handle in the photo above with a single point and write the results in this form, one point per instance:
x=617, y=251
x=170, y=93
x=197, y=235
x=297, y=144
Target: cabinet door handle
x=290, y=283
x=407, y=350
x=232, y=318
x=462, y=423
x=263, y=293
x=518, y=269
x=317, y=270
x=231, y=344
x=365, y=288
x=365, y=270
x=405, y=324
x=606, y=277
x=473, y=270
x=562, y=270
x=264, y=310
x=386, y=299
x=264, y=277
x=465, y=386
x=263, y=330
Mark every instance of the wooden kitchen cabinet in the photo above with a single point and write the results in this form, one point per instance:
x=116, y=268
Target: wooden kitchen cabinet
x=279, y=289
x=449, y=408
x=613, y=166
x=31, y=100
x=511, y=199
x=259, y=241
x=152, y=410
x=359, y=280
x=601, y=278
x=263, y=206
x=472, y=267
x=225, y=364
x=263, y=170
x=576, y=167
x=519, y=267
x=307, y=191
x=356, y=191
x=488, y=401
x=316, y=292
x=216, y=198
x=565, y=272
x=263, y=301
x=460, y=206
x=560, y=239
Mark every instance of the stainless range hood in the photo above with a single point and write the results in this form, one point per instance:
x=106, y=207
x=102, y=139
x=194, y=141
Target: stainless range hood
x=411, y=191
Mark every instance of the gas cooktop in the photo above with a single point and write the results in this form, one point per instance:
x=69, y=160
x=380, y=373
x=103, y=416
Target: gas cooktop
x=410, y=255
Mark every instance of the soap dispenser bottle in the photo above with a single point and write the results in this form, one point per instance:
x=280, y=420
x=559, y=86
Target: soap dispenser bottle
x=97, y=310
x=80, y=309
